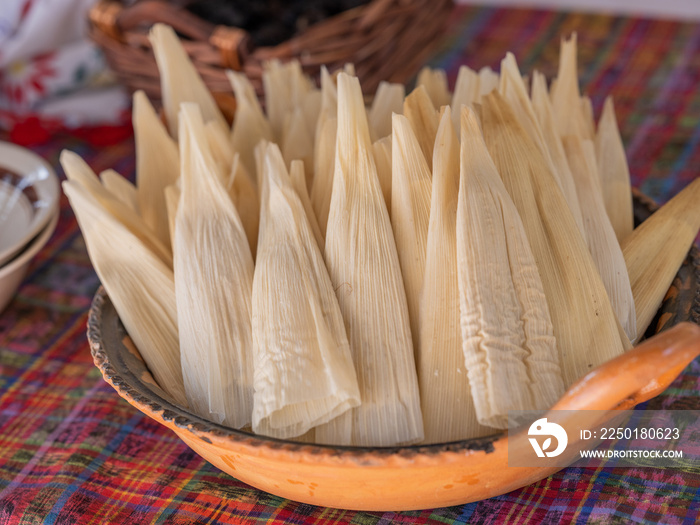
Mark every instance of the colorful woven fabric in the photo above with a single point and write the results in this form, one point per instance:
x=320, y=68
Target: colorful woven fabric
x=72, y=451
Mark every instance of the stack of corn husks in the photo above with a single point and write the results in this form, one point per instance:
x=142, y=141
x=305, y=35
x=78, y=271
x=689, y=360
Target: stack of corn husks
x=403, y=273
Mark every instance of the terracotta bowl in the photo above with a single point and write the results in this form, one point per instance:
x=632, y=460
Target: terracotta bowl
x=403, y=478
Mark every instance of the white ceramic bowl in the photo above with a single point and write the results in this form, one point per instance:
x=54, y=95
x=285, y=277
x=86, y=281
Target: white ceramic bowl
x=12, y=273
x=29, y=194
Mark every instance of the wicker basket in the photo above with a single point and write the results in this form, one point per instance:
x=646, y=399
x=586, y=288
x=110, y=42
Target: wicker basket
x=385, y=39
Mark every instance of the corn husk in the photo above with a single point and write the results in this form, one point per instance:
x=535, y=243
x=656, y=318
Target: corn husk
x=599, y=233
x=304, y=375
x=220, y=146
x=488, y=81
x=566, y=97
x=311, y=107
x=614, y=173
x=364, y=268
x=285, y=87
x=244, y=196
x=324, y=150
x=509, y=347
x=172, y=201
x=250, y=125
x=179, y=80
x=121, y=188
x=157, y=165
x=139, y=285
x=382, y=159
x=387, y=100
x=588, y=118
x=77, y=170
x=446, y=400
x=410, y=213
x=423, y=117
x=584, y=323
x=214, y=281
x=656, y=249
x=545, y=117
x=298, y=178
x=435, y=83
x=298, y=143
x=466, y=93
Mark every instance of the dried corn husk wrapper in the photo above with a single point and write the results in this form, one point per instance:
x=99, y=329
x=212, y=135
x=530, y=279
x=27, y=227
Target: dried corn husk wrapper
x=566, y=97
x=298, y=143
x=77, y=170
x=488, y=81
x=508, y=340
x=285, y=86
x=298, y=178
x=250, y=125
x=446, y=399
x=545, y=117
x=179, y=80
x=599, y=233
x=213, y=284
x=157, y=165
x=466, y=93
x=387, y=101
x=139, y=285
x=410, y=213
x=304, y=375
x=656, y=249
x=244, y=196
x=423, y=117
x=364, y=268
x=382, y=159
x=584, y=323
x=435, y=83
x=121, y=188
x=614, y=173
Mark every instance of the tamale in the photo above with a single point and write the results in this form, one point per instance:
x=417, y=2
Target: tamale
x=322, y=187
x=324, y=150
x=509, y=348
x=382, y=159
x=298, y=178
x=298, y=143
x=387, y=100
x=656, y=249
x=364, y=269
x=77, y=170
x=213, y=285
x=304, y=375
x=614, y=173
x=121, y=188
x=423, y=117
x=584, y=323
x=566, y=98
x=588, y=118
x=445, y=396
x=139, y=285
x=179, y=80
x=157, y=165
x=250, y=125
x=545, y=116
x=244, y=196
x=488, y=81
x=466, y=93
x=172, y=201
x=599, y=233
x=410, y=213
x=220, y=146
x=435, y=83
x=285, y=86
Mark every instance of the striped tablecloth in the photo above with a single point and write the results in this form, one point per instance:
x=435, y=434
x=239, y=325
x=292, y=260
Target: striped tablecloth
x=72, y=451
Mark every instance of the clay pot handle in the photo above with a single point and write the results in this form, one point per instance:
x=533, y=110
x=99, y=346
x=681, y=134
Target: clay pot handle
x=636, y=376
